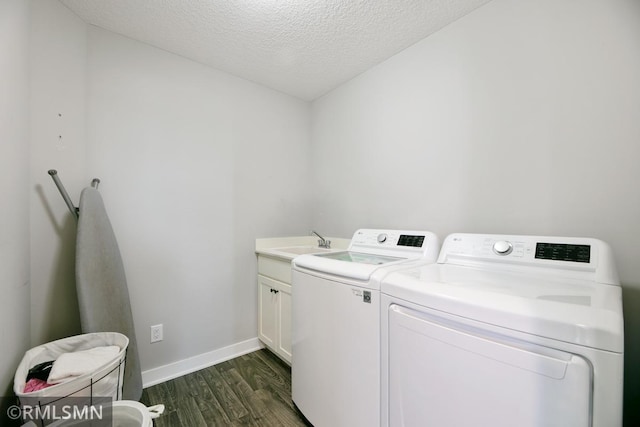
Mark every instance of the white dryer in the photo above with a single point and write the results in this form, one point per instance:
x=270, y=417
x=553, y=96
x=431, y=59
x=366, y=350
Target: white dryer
x=504, y=331
x=336, y=324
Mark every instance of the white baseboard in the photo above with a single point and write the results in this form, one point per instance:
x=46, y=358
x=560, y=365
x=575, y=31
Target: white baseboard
x=186, y=366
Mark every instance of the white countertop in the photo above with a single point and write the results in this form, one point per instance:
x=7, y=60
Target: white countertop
x=287, y=248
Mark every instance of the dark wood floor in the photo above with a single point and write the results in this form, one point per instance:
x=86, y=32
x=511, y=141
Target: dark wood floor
x=251, y=390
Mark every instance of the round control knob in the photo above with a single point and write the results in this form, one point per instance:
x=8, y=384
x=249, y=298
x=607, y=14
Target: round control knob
x=502, y=247
x=382, y=238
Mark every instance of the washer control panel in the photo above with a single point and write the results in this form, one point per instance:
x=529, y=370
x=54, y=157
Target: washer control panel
x=389, y=238
x=400, y=241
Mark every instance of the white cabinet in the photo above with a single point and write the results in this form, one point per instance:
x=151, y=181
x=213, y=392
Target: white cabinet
x=274, y=305
x=274, y=287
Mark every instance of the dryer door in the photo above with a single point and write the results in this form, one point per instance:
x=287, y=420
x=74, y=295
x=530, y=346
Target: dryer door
x=444, y=373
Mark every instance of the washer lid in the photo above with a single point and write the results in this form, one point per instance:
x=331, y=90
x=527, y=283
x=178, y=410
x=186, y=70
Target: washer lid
x=570, y=310
x=371, y=249
x=354, y=265
x=361, y=258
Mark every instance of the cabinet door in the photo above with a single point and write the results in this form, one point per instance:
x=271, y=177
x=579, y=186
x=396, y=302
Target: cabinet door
x=267, y=312
x=284, y=343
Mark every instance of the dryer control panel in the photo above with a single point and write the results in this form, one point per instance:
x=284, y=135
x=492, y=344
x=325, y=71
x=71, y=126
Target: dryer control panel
x=569, y=256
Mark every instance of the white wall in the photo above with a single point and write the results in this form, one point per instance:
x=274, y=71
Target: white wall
x=14, y=189
x=195, y=164
x=58, y=55
x=522, y=117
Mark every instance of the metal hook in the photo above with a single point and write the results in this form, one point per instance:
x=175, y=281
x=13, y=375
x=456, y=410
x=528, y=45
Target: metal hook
x=63, y=192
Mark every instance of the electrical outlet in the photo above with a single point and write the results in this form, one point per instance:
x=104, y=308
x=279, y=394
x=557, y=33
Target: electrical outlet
x=156, y=333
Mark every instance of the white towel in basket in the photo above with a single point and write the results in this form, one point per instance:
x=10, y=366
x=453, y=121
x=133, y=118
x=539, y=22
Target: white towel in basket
x=71, y=365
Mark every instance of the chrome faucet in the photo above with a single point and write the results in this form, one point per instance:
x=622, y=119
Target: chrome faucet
x=322, y=242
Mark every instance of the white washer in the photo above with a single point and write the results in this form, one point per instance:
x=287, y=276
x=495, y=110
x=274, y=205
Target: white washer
x=504, y=331
x=336, y=324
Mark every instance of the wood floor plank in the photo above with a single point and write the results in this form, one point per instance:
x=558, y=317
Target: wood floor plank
x=280, y=387
x=281, y=412
x=275, y=363
x=247, y=370
x=145, y=395
x=212, y=410
x=174, y=389
x=224, y=366
x=251, y=390
x=258, y=412
x=159, y=394
x=168, y=419
x=183, y=386
x=260, y=375
x=189, y=414
x=271, y=374
x=232, y=406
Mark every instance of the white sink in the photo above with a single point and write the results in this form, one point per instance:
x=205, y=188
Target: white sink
x=301, y=250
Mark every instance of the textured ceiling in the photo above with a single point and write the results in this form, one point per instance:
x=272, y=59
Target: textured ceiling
x=301, y=47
